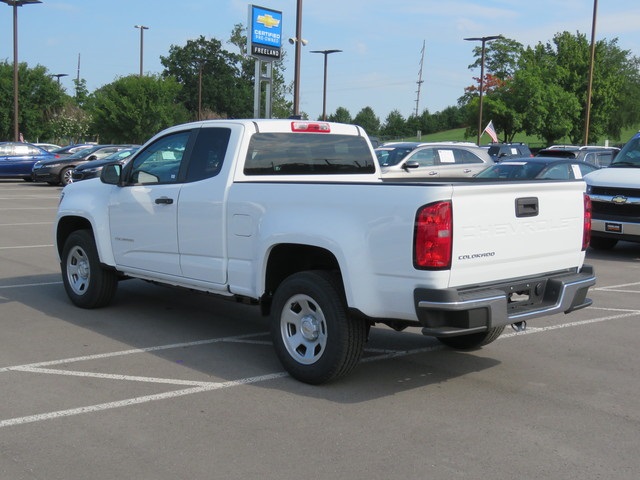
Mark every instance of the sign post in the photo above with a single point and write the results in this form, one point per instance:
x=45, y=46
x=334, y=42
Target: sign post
x=265, y=45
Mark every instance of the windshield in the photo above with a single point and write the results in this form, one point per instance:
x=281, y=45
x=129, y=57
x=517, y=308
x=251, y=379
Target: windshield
x=629, y=156
x=515, y=170
x=390, y=157
x=85, y=152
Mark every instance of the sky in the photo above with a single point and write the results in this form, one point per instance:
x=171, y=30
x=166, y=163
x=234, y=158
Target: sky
x=381, y=41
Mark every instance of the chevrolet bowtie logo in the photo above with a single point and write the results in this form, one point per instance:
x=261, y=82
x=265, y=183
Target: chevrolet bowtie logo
x=268, y=21
x=619, y=199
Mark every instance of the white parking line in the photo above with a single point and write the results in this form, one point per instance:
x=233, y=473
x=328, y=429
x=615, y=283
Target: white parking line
x=24, y=224
x=199, y=387
x=26, y=246
x=619, y=288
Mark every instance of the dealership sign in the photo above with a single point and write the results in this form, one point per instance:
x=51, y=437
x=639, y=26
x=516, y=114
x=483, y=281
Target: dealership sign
x=265, y=33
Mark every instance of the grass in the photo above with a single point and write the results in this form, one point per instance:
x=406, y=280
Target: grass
x=533, y=142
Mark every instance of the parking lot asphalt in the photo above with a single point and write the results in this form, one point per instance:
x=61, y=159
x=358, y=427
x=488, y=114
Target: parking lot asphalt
x=171, y=384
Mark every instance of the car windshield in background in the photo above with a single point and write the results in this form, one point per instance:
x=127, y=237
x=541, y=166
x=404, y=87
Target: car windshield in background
x=629, y=156
x=538, y=168
x=389, y=156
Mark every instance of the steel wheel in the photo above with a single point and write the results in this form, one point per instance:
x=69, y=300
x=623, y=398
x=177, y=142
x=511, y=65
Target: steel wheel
x=87, y=283
x=304, y=329
x=78, y=270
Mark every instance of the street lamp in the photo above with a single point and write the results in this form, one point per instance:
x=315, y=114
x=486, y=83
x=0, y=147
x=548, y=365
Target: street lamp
x=483, y=40
x=142, y=29
x=15, y=4
x=326, y=53
x=590, y=81
x=58, y=75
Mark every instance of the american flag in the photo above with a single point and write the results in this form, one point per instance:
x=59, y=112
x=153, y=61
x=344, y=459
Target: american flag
x=491, y=131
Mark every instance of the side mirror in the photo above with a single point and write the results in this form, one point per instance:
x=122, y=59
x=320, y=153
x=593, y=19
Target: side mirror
x=92, y=157
x=410, y=164
x=111, y=174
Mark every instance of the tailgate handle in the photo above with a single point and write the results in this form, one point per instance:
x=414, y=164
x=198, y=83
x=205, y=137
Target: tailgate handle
x=527, y=207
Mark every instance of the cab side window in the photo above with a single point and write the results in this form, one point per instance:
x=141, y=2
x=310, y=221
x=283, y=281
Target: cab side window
x=160, y=162
x=208, y=153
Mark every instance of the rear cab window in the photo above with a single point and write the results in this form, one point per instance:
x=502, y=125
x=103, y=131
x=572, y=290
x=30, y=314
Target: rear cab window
x=282, y=154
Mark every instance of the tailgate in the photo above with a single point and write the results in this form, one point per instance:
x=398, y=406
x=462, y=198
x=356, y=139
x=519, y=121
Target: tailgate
x=514, y=230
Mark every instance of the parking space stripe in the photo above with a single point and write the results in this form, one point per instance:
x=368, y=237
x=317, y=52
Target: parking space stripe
x=26, y=246
x=209, y=386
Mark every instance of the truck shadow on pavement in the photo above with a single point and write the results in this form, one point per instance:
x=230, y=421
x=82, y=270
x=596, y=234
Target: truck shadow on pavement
x=143, y=316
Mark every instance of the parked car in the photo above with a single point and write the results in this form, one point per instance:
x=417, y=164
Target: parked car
x=93, y=168
x=69, y=149
x=598, y=156
x=500, y=151
x=17, y=159
x=58, y=171
x=47, y=146
x=430, y=160
x=538, y=168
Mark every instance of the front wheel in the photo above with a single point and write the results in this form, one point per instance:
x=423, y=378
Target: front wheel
x=313, y=335
x=65, y=176
x=86, y=282
x=473, y=340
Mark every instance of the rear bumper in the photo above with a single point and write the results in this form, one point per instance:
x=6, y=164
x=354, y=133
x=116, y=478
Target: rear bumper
x=454, y=311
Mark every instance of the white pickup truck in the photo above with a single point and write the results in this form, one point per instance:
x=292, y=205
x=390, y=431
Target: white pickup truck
x=294, y=217
x=615, y=197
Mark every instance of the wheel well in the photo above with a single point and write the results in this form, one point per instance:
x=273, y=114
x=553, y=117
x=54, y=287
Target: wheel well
x=68, y=225
x=287, y=259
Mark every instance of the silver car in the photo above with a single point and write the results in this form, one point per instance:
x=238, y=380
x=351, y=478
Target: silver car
x=432, y=160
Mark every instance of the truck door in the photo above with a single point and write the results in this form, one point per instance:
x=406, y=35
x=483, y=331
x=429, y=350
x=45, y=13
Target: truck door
x=201, y=208
x=143, y=213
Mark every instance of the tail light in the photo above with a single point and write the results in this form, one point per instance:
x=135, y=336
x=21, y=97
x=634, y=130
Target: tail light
x=586, y=228
x=433, y=236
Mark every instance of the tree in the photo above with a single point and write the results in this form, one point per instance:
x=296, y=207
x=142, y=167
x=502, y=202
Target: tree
x=395, y=126
x=133, y=108
x=40, y=98
x=368, y=120
x=71, y=124
x=204, y=66
x=342, y=115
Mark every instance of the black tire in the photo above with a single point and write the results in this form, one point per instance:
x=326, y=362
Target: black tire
x=473, y=340
x=65, y=176
x=313, y=335
x=602, y=243
x=87, y=283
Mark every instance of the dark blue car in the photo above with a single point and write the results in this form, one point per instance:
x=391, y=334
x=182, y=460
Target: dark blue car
x=17, y=159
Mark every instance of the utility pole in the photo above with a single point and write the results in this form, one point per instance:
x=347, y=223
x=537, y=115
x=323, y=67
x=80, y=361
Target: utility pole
x=420, y=81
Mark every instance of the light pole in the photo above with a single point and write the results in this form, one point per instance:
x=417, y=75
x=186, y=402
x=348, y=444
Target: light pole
x=483, y=40
x=15, y=4
x=142, y=29
x=590, y=81
x=326, y=53
x=296, y=71
x=58, y=75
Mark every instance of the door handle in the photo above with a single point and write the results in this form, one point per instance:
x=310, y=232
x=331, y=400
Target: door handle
x=164, y=201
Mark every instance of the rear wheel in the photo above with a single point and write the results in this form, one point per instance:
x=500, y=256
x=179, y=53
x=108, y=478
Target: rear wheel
x=473, y=340
x=602, y=243
x=313, y=335
x=86, y=282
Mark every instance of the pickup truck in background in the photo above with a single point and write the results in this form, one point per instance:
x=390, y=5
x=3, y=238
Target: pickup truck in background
x=615, y=198
x=293, y=216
